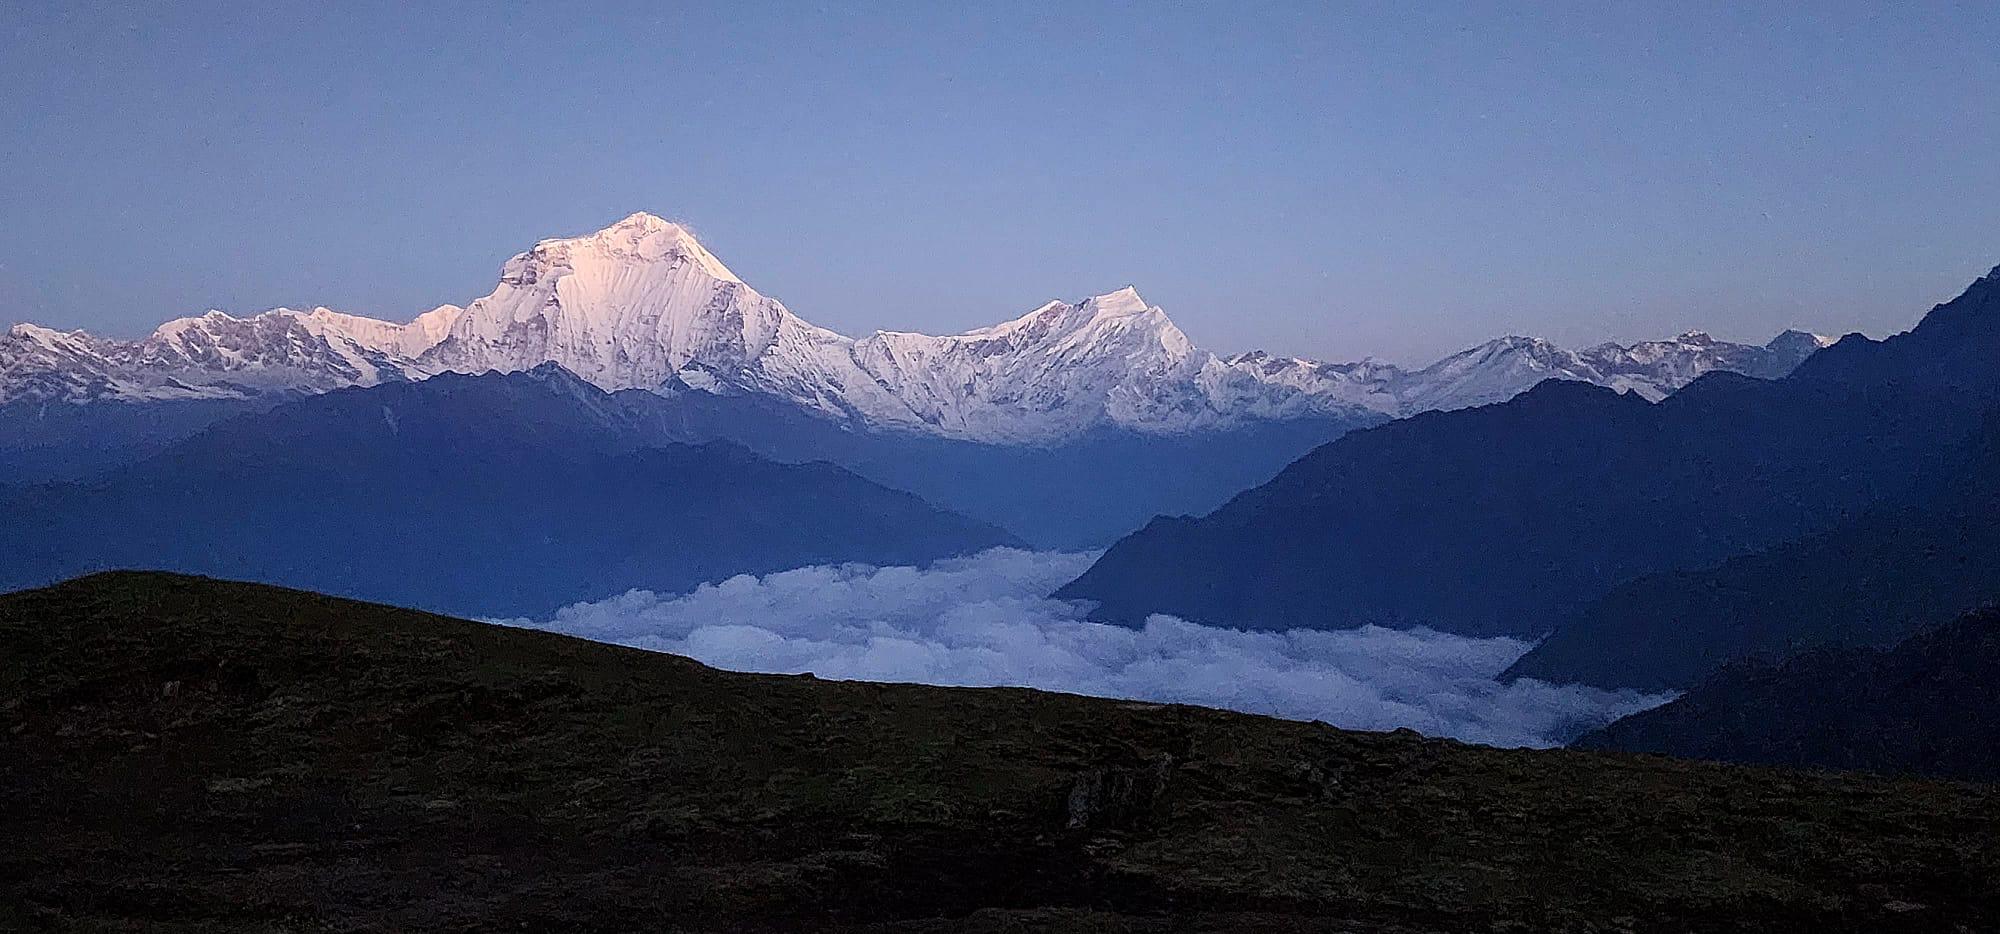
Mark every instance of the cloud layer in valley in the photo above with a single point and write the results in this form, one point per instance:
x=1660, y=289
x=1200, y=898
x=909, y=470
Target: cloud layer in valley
x=984, y=620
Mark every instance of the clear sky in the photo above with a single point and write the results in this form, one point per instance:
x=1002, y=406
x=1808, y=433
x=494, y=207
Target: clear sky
x=1323, y=179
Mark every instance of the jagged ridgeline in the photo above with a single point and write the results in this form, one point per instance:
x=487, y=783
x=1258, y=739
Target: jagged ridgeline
x=180, y=754
x=643, y=305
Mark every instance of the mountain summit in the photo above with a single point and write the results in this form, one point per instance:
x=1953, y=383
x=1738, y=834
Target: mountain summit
x=653, y=237
x=642, y=304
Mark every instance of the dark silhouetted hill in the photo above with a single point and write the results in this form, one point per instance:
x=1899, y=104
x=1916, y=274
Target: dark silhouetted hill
x=1928, y=706
x=186, y=755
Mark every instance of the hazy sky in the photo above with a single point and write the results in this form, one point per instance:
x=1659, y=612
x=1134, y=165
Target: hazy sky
x=1320, y=179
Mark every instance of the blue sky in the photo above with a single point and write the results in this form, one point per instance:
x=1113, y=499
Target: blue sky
x=1327, y=179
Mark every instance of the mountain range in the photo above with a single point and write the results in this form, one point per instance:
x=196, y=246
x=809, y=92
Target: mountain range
x=643, y=305
x=1512, y=518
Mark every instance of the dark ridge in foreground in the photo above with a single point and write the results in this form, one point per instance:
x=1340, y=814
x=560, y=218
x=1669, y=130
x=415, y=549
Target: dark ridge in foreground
x=1929, y=706
x=181, y=754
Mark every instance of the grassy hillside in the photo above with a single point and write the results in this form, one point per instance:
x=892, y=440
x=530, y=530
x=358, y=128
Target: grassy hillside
x=179, y=754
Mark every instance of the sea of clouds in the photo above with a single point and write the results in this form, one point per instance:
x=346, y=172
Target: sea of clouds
x=986, y=620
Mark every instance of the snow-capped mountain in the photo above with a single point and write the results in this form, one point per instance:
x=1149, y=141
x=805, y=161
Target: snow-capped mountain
x=643, y=305
x=1500, y=369
x=215, y=355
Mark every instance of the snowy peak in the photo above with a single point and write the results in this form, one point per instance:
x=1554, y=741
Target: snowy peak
x=44, y=337
x=1059, y=316
x=639, y=238
x=640, y=224
x=627, y=307
x=1491, y=372
x=1058, y=371
x=1121, y=303
x=1124, y=312
x=1120, y=317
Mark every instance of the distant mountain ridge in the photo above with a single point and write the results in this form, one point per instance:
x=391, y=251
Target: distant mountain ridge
x=1505, y=367
x=643, y=305
x=494, y=495
x=1508, y=518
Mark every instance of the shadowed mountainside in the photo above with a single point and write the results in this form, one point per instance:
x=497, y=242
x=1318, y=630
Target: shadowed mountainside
x=1919, y=561
x=1930, y=705
x=179, y=754
x=1507, y=518
x=1081, y=492
x=494, y=495
x=44, y=442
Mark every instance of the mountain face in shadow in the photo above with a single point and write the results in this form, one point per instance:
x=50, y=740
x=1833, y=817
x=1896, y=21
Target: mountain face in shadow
x=1917, y=561
x=1930, y=705
x=1507, y=518
x=195, y=755
x=489, y=495
x=1082, y=492
x=43, y=441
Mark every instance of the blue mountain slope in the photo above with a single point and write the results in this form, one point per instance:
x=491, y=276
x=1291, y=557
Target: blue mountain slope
x=1504, y=519
x=486, y=495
